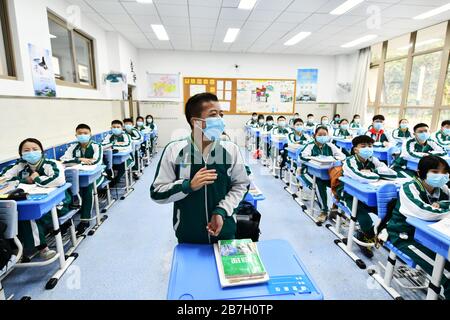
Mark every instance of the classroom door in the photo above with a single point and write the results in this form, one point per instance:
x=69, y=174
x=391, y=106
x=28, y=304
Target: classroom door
x=132, y=104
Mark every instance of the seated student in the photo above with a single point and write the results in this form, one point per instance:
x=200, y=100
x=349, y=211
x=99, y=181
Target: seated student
x=34, y=168
x=417, y=147
x=356, y=122
x=342, y=131
x=151, y=125
x=253, y=121
x=336, y=121
x=281, y=128
x=119, y=141
x=362, y=167
x=131, y=130
x=402, y=132
x=377, y=133
x=443, y=136
x=88, y=152
x=321, y=146
x=310, y=124
x=261, y=121
x=268, y=126
x=426, y=197
x=295, y=117
x=140, y=125
x=297, y=136
x=325, y=122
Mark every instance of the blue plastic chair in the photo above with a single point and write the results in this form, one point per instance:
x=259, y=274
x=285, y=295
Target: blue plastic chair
x=6, y=164
x=60, y=150
x=50, y=153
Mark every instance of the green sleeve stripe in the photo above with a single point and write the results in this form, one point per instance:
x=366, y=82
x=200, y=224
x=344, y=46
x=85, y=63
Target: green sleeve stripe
x=356, y=171
x=50, y=178
x=166, y=194
x=420, y=204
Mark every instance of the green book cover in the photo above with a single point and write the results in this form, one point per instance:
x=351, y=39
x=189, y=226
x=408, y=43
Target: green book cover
x=240, y=258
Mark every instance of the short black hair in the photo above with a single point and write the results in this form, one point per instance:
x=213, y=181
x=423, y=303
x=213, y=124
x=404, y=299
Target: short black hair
x=261, y=116
x=298, y=120
x=32, y=140
x=321, y=118
x=362, y=139
x=420, y=125
x=281, y=117
x=117, y=122
x=127, y=120
x=428, y=163
x=82, y=126
x=139, y=118
x=254, y=114
x=378, y=117
x=401, y=121
x=194, y=105
x=337, y=115
x=296, y=113
x=149, y=116
x=310, y=115
x=445, y=123
x=320, y=128
x=356, y=115
x=343, y=120
x=269, y=118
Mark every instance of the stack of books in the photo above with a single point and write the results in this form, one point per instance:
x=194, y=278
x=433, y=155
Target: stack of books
x=238, y=263
x=323, y=161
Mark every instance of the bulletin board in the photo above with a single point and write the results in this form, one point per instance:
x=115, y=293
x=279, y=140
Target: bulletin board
x=245, y=96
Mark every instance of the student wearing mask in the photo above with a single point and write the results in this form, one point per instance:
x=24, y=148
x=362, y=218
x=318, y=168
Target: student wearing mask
x=343, y=130
x=325, y=122
x=425, y=197
x=443, y=136
x=261, y=121
x=336, y=121
x=34, y=168
x=417, y=147
x=135, y=135
x=297, y=136
x=321, y=146
x=119, y=140
x=377, y=132
x=310, y=123
x=295, y=117
x=356, y=122
x=140, y=125
x=364, y=168
x=268, y=127
x=203, y=176
x=402, y=132
x=281, y=128
x=253, y=122
x=151, y=125
x=87, y=152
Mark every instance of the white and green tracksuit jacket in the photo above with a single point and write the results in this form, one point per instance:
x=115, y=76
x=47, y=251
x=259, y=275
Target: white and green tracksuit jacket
x=135, y=134
x=312, y=150
x=353, y=167
x=93, y=151
x=442, y=139
x=192, y=211
x=251, y=123
x=280, y=131
x=121, y=142
x=295, y=138
x=400, y=134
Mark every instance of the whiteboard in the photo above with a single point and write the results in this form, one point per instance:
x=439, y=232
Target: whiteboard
x=265, y=96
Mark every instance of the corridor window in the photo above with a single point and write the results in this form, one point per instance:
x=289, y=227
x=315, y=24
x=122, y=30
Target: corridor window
x=394, y=76
x=6, y=52
x=73, y=58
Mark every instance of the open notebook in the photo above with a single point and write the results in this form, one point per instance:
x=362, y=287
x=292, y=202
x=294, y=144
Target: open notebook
x=442, y=226
x=34, y=189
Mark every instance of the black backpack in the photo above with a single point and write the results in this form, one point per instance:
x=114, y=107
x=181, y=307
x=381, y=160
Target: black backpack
x=248, y=219
x=5, y=248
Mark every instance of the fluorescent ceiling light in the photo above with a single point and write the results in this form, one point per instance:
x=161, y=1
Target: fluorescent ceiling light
x=231, y=35
x=346, y=6
x=144, y=1
x=297, y=38
x=52, y=36
x=433, y=12
x=359, y=40
x=247, y=4
x=160, y=32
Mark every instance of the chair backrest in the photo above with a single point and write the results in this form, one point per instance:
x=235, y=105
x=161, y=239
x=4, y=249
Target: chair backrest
x=60, y=150
x=385, y=195
x=108, y=159
x=50, y=153
x=9, y=216
x=7, y=163
x=72, y=176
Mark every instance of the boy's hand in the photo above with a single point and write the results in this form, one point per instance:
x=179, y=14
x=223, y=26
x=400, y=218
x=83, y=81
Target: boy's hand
x=436, y=205
x=33, y=176
x=86, y=161
x=203, y=177
x=386, y=144
x=215, y=226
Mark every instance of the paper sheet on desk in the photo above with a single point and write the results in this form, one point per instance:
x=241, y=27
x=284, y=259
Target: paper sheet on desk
x=34, y=189
x=398, y=182
x=84, y=167
x=442, y=226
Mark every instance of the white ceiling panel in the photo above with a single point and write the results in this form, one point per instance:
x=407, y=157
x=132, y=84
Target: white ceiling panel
x=140, y=8
x=204, y=12
x=306, y=5
x=203, y=23
x=263, y=15
x=296, y=17
x=103, y=6
x=169, y=10
x=206, y=3
x=233, y=14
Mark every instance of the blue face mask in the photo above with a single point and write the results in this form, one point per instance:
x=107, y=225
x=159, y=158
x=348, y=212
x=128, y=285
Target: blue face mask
x=325, y=122
x=139, y=123
x=32, y=157
x=128, y=127
x=423, y=136
x=437, y=180
x=403, y=125
x=337, y=119
x=83, y=138
x=344, y=126
x=299, y=129
x=322, y=139
x=366, y=152
x=378, y=126
x=214, y=128
x=116, y=131
x=447, y=131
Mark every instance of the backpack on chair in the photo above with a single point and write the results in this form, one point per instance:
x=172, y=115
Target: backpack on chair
x=248, y=219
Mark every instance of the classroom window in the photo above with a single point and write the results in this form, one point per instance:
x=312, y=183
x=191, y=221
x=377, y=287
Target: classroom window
x=424, y=78
x=446, y=94
x=392, y=116
x=372, y=84
x=6, y=52
x=443, y=115
x=416, y=116
x=369, y=115
x=375, y=52
x=72, y=54
x=394, y=76
x=431, y=38
x=398, y=47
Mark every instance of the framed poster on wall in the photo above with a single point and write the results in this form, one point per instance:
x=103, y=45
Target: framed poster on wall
x=307, y=84
x=163, y=85
x=42, y=71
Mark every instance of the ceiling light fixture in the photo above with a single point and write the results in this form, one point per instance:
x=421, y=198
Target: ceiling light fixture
x=359, y=41
x=297, y=38
x=231, y=35
x=346, y=6
x=160, y=32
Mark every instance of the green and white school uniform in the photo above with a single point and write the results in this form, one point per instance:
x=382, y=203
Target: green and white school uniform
x=296, y=138
x=413, y=149
x=442, y=139
x=417, y=202
x=51, y=175
x=72, y=155
x=312, y=150
x=335, y=124
x=192, y=211
x=400, y=134
x=251, y=123
x=268, y=128
x=153, y=128
x=328, y=126
x=380, y=136
x=352, y=168
x=123, y=143
x=355, y=125
x=342, y=133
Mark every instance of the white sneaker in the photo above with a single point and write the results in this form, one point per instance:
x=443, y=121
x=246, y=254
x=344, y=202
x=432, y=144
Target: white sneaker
x=47, y=254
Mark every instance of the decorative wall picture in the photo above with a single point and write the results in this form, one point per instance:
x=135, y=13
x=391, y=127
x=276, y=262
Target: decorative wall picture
x=307, y=84
x=163, y=85
x=115, y=77
x=42, y=72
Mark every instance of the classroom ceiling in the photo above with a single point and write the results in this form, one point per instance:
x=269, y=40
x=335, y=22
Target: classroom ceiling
x=201, y=25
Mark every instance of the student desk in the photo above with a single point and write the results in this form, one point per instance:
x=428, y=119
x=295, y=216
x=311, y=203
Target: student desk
x=321, y=172
x=255, y=133
x=372, y=196
x=436, y=242
x=344, y=143
x=309, y=131
x=120, y=158
x=293, y=152
x=33, y=209
x=194, y=275
x=277, y=143
x=412, y=163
